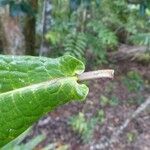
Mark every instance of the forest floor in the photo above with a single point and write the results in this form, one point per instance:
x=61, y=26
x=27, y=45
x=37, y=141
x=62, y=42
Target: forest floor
x=123, y=102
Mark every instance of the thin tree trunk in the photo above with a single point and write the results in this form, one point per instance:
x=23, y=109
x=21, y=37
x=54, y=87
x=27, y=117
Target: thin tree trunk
x=30, y=30
x=10, y=33
x=46, y=24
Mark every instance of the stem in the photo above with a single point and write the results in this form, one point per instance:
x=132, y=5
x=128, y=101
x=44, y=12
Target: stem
x=96, y=74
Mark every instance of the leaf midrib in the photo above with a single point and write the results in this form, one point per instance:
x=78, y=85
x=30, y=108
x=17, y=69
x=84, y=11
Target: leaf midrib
x=35, y=85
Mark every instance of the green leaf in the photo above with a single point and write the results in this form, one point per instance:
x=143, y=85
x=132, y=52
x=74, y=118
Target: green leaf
x=20, y=71
x=54, y=37
x=33, y=86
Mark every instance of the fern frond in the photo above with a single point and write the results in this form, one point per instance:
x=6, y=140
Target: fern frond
x=75, y=44
x=106, y=37
x=141, y=39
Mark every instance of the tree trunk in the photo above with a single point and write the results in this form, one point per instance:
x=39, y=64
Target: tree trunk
x=30, y=30
x=46, y=24
x=10, y=33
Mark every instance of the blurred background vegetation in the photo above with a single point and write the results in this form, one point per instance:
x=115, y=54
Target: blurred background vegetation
x=102, y=33
x=83, y=28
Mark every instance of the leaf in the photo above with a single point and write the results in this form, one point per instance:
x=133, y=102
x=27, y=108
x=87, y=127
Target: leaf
x=54, y=37
x=20, y=71
x=32, y=86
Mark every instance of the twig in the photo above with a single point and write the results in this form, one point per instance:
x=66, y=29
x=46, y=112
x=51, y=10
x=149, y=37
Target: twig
x=96, y=74
x=119, y=131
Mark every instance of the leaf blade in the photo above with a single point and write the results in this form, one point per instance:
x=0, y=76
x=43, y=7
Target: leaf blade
x=21, y=106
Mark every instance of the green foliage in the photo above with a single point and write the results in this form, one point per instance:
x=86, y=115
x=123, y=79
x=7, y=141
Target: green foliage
x=102, y=26
x=131, y=136
x=142, y=39
x=33, y=86
x=101, y=116
x=57, y=35
x=112, y=101
x=94, y=27
x=18, y=143
x=76, y=4
x=54, y=37
x=144, y=4
x=100, y=38
x=119, y=16
x=136, y=100
x=79, y=123
x=83, y=126
x=114, y=13
x=145, y=58
x=104, y=101
x=133, y=81
x=67, y=33
x=75, y=44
